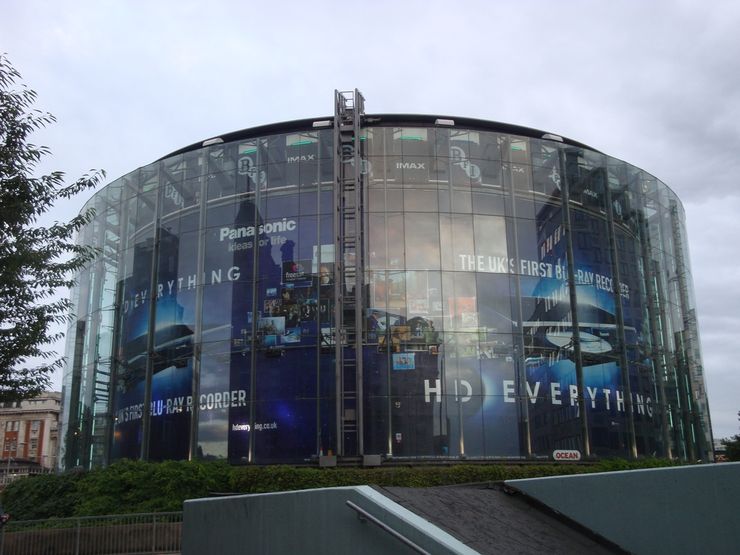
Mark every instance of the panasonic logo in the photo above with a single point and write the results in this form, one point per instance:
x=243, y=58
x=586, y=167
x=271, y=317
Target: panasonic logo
x=279, y=226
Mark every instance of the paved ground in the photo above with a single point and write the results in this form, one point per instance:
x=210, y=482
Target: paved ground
x=492, y=521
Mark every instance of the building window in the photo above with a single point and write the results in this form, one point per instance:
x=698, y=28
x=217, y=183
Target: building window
x=35, y=425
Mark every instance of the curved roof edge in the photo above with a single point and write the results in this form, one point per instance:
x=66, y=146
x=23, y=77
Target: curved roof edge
x=426, y=120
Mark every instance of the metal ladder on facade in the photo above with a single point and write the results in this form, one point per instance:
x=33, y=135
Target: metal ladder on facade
x=348, y=270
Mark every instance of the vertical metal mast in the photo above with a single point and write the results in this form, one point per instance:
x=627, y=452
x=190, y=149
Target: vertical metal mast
x=576, y=338
x=146, y=417
x=619, y=313
x=348, y=269
x=695, y=424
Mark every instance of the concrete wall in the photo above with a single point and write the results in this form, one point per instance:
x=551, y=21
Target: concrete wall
x=690, y=509
x=310, y=521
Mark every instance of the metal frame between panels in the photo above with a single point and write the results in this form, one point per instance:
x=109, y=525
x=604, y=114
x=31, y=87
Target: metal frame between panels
x=700, y=439
x=576, y=335
x=151, y=326
x=619, y=313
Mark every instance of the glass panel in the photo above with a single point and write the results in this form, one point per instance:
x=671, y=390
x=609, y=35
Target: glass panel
x=422, y=241
x=456, y=242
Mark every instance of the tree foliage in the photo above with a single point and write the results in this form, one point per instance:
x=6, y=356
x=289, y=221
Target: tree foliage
x=36, y=261
x=732, y=446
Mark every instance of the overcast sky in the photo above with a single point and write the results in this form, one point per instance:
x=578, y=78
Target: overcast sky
x=655, y=83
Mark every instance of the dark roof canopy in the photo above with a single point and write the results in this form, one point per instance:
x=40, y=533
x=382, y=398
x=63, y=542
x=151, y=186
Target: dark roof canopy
x=412, y=120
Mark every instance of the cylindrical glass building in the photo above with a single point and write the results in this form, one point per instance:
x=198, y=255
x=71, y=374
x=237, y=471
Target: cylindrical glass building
x=451, y=289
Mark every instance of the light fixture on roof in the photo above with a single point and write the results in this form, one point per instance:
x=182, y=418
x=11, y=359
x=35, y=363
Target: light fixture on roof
x=441, y=121
x=322, y=123
x=214, y=141
x=551, y=137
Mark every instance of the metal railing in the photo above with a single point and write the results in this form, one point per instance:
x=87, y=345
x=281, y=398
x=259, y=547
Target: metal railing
x=364, y=516
x=15, y=472
x=147, y=533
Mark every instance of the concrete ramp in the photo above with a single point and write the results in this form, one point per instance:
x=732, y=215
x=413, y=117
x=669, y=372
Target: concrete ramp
x=356, y=520
x=488, y=519
x=689, y=509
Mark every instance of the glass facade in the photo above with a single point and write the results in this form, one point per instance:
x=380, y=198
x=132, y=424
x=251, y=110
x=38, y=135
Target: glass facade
x=521, y=296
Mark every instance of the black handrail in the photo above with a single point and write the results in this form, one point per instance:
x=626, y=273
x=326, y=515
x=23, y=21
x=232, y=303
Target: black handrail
x=363, y=515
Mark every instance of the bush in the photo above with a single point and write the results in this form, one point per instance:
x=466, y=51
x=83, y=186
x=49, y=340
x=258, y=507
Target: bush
x=141, y=487
x=136, y=486
x=42, y=496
